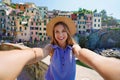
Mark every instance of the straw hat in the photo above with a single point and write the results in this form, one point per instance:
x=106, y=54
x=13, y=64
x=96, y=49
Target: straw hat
x=67, y=21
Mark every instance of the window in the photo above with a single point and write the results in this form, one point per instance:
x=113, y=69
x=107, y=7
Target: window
x=19, y=7
x=12, y=18
x=7, y=28
x=40, y=33
x=8, y=17
x=40, y=28
x=94, y=25
x=44, y=22
x=83, y=22
x=86, y=18
x=30, y=38
x=40, y=23
x=25, y=34
x=44, y=38
x=33, y=19
x=17, y=17
x=94, y=20
x=90, y=18
x=31, y=28
x=4, y=20
x=44, y=28
x=31, y=23
x=14, y=24
x=98, y=25
x=84, y=27
x=44, y=16
x=20, y=23
x=15, y=29
x=31, y=33
x=36, y=33
x=25, y=28
x=36, y=28
x=21, y=34
x=36, y=23
x=3, y=14
x=98, y=20
x=20, y=28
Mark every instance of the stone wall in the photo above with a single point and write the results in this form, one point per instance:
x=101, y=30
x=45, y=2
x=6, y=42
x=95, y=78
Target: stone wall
x=33, y=72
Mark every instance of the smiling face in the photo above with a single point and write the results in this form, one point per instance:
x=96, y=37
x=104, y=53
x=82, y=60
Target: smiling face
x=60, y=35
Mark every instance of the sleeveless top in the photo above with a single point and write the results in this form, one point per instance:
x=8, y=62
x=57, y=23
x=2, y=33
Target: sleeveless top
x=63, y=64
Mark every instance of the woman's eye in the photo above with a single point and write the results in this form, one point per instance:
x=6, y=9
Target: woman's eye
x=63, y=31
x=56, y=32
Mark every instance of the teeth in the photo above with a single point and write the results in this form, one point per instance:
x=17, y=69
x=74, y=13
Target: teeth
x=61, y=38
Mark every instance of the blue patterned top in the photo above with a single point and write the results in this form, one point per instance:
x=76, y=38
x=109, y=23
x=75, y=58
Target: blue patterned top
x=63, y=64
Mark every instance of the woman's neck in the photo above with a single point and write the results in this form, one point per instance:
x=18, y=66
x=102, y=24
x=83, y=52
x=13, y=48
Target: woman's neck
x=62, y=45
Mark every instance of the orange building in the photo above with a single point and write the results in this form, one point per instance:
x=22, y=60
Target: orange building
x=22, y=7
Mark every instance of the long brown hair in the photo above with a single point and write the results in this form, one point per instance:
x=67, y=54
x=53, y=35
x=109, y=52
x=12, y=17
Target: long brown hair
x=69, y=41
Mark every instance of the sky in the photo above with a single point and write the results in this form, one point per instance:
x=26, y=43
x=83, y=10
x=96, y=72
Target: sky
x=111, y=6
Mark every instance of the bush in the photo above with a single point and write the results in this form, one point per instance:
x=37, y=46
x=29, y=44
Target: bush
x=83, y=41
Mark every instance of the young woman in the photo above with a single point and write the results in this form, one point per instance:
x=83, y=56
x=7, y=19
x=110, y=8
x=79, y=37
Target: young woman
x=63, y=64
x=63, y=51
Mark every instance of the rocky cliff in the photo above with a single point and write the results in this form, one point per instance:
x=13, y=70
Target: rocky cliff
x=104, y=39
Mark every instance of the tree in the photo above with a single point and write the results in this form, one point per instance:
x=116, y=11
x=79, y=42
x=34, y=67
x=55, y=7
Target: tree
x=112, y=21
x=95, y=11
x=103, y=14
x=84, y=11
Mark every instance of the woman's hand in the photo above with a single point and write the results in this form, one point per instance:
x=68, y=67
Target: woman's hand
x=42, y=52
x=48, y=48
x=76, y=49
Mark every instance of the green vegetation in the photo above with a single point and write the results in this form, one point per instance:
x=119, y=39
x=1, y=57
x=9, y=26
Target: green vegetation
x=83, y=41
x=114, y=28
x=82, y=64
x=13, y=6
x=83, y=11
x=106, y=20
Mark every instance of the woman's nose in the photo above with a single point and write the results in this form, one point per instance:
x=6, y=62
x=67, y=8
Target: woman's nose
x=61, y=34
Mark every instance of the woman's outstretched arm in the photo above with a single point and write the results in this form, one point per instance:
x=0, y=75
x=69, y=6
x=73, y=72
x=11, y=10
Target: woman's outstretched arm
x=12, y=62
x=108, y=68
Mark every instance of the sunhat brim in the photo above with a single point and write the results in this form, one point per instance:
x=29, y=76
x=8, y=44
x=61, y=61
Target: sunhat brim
x=67, y=21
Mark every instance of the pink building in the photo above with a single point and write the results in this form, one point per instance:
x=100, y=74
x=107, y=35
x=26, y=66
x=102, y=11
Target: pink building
x=34, y=30
x=88, y=22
